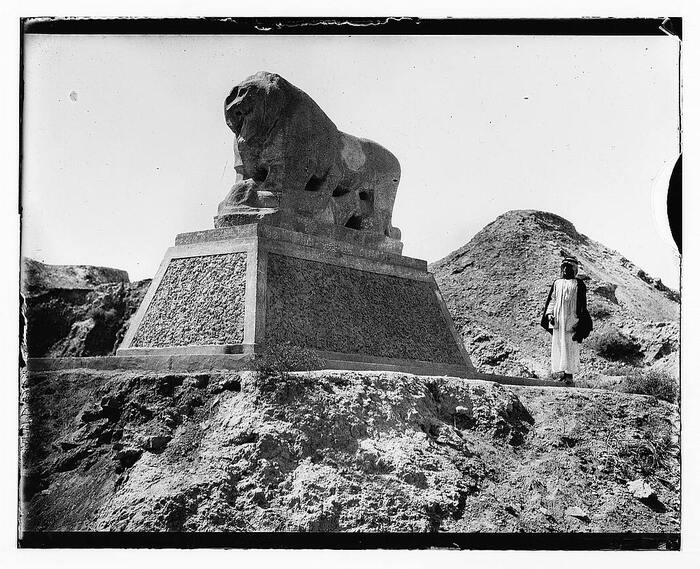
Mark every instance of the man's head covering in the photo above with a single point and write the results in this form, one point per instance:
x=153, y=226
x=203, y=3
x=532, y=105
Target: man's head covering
x=572, y=262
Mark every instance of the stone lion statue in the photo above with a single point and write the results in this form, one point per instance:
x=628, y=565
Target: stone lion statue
x=291, y=158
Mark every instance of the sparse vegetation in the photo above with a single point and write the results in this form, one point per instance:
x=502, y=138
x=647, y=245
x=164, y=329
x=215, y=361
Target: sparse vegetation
x=280, y=359
x=620, y=370
x=652, y=453
x=614, y=345
x=598, y=309
x=651, y=382
x=630, y=379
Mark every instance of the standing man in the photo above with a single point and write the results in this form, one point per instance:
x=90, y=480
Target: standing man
x=567, y=319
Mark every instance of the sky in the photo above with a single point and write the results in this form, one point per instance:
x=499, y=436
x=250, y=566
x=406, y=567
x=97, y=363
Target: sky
x=125, y=144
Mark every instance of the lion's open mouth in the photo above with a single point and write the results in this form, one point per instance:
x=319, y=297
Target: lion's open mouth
x=235, y=118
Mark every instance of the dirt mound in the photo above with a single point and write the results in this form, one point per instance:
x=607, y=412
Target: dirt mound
x=496, y=285
x=38, y=277
x=341, y=451
x=77, y=310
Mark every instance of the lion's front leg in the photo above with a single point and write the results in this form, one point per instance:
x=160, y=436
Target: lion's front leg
x=307, y=192
x=247, y=193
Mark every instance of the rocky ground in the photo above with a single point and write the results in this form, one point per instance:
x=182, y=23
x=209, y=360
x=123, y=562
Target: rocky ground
x=496, y=286
x=76, y=310
x=342, y=451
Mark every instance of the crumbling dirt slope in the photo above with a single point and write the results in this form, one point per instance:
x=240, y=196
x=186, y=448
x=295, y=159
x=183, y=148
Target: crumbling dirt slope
x=496, y=285
x=340, y=451
x=77, y=310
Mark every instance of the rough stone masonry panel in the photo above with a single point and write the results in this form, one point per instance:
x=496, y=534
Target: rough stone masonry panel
x=339, y=309
x=200, y=301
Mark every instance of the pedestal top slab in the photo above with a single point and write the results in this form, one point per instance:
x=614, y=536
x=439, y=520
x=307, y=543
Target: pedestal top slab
x=300, y=224
x=317, y=236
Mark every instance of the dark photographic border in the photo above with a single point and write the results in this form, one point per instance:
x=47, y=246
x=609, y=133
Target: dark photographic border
x=358, y=26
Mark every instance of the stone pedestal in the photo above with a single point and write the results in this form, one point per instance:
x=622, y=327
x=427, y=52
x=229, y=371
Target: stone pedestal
x=235, y=290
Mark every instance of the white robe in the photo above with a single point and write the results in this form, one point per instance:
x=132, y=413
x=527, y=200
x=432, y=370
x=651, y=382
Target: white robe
x=562, y=306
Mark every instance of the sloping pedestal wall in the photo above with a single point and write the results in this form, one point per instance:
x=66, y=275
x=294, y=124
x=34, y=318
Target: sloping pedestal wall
x=234, y=290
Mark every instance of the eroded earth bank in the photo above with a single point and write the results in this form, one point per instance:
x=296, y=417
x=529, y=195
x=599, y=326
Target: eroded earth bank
x=341, y=451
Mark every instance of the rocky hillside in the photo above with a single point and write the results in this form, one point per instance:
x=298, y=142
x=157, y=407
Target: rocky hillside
x=76, y=310
x=341, y=451
x=496, y=285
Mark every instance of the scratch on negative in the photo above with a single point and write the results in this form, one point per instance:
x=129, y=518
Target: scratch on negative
x=378, y=22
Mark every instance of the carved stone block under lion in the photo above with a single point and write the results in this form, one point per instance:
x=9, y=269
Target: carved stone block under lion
x=303, y=252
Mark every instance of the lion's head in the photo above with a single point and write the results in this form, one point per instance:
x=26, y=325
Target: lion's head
x=253, y=106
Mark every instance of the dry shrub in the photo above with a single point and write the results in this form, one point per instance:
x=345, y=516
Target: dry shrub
x=651, y=454
x=652, y=382
x=598, y=309
x=612, y=344
x=280, y=359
